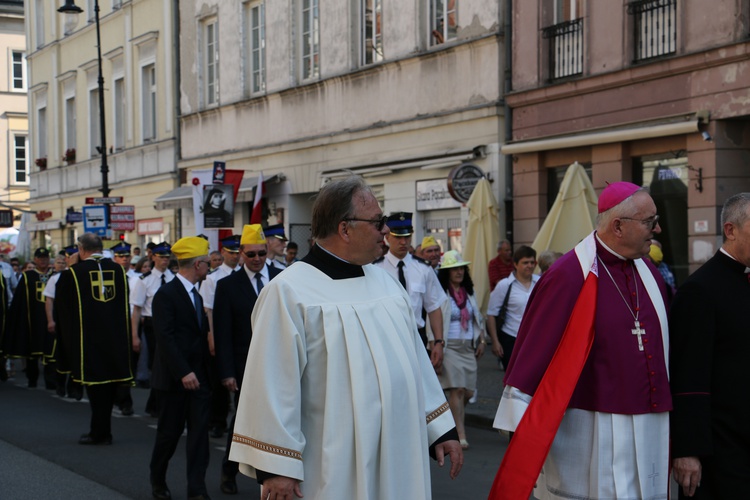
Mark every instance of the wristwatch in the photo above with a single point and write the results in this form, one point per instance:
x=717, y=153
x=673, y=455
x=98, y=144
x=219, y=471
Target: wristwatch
x=439, y=341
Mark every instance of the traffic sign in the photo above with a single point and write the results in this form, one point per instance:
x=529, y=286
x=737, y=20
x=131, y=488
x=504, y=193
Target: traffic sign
x=104, y=201
x=121, y=217
x=122, y=209
x=95, y=219
x=123, y=226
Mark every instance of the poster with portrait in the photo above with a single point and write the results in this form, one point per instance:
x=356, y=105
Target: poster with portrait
x=218, y=206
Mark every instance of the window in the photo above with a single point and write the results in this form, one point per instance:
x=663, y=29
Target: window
x=565, y=37
x=91, y=10
x=211, y=62
x=372, y=33
x=94, y=130
x=70, y=122
x=310, y=39
x=655, y=27
x=20, y=159
x=443, y=21
x=148, y=102
x=118, y=109
x=116, y=4
x=39, y=22
x=41, y=132
x=19, y=71
x=257, y=47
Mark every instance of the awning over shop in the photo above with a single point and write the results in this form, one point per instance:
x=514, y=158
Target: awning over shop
x=182, y=197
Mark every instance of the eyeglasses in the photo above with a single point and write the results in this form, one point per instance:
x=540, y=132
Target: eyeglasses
x=378, y=223
x=650, y=222
x=251, y=255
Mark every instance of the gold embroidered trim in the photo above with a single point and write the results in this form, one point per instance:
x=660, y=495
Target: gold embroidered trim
x=269, y=448
x=435, y=414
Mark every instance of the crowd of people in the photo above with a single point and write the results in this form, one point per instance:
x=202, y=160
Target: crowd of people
x=357, y=361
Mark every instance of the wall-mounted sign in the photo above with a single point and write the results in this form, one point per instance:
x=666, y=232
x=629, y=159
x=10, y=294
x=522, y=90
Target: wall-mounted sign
x=6, y=218
x=73, y=217
x=701, y=226
x=43, y=215
x=151, y=226
x=433, y=194
x=462, y=180
x=95, y=219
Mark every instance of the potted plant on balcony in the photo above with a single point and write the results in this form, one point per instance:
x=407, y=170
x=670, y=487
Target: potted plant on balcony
x=70, y=156
x=41, y=163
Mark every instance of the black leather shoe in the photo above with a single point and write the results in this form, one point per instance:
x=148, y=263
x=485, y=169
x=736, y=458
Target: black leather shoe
x=160, y=492
x=87, y=439
x=228, y=485
x=127, y=411
x=60, y=391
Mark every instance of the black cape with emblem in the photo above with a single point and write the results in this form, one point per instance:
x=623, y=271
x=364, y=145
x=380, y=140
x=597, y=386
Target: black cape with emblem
x=93, y=322
x=3, y=315
x=26, y=333
x=710, y=345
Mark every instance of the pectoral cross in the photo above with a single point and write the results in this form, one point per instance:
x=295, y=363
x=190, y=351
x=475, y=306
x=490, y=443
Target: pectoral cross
x=639, y=332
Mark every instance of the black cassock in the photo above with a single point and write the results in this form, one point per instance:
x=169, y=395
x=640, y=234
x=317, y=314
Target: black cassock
x=26, y=333
x=710, y=378
x=3, y=314
x=93, y=322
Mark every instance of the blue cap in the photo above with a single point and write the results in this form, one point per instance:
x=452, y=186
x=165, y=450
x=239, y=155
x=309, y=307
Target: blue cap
x=162, y=248
x=399, y=224
x=277, y=231
x=122, y=248
x=70, y=249
x=231, y=243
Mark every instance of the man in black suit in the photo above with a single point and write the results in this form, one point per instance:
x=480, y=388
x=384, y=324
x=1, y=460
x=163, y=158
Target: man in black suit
x=180, y=370
x=710, y=347
x=233, y=306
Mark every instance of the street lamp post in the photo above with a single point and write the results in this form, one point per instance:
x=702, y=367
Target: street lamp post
x=71, y=9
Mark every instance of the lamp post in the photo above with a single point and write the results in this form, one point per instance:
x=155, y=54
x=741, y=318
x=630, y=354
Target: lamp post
x=71, y=9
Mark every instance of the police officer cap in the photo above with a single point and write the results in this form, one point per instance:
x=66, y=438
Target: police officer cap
x=399, y=224
x=162, y=248
x=277, y=231
x=70, y=249
x=231, y=243
x=41, y=252
x=122, y=249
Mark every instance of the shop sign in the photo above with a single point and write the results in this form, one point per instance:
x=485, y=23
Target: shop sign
x=151, y=226
x=433, y=194
x=462, y=180
x=43, y=215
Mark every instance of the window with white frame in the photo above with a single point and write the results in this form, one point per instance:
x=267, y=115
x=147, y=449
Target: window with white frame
x=211, y=62
x=118, y=109
x=20, y=159
x=94, y=130
x=39, y=7
x=310, y=33
x=70, y=122
x=256, y=46
x=90, y=10
x=372, y=31
x=443, y=21
x=18, y=71
x=41, y=132
x=148, y=102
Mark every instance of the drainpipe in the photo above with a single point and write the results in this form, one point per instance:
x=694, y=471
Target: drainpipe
x=177, y=86
x=508, y=86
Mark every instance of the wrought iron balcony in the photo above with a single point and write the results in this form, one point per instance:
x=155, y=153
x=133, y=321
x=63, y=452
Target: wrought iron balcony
x=565, y=48
x=655, y=27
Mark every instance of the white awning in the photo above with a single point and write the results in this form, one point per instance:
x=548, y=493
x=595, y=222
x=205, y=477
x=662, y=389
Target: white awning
x=182, y=197
x=47, y=225
x=442, y=159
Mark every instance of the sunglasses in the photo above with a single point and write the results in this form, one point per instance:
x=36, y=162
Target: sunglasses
x=251, y=255
x=378, y=223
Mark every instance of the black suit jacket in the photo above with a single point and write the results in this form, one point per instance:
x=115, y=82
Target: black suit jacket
x=181, y=346
x=233, y=305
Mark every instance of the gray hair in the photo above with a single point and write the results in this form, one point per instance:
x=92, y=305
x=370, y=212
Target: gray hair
x=90, y=242
x=735, y=211
x=625, y=208
x=547, y=258
x=502, y=242
x=334, y=203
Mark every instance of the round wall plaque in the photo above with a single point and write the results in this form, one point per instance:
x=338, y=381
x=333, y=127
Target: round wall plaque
x=462, y=180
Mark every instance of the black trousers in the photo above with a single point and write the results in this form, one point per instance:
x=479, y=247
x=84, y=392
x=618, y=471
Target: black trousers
x=152, y=404
x=176, y=408
x=102, y=399
x=219, y=398
x=507, y=342
x=229, y=468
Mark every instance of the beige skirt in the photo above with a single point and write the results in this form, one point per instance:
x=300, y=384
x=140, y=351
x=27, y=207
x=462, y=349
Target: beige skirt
x=459, y=365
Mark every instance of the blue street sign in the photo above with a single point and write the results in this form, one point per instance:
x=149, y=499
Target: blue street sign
x=95, y=219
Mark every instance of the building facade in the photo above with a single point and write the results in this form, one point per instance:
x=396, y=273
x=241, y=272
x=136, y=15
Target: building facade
x=652, y=91
x=140, y=80
x=14, y=146
x=305, y=91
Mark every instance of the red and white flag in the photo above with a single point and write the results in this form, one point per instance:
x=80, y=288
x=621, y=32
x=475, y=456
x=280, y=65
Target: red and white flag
x=257, y=215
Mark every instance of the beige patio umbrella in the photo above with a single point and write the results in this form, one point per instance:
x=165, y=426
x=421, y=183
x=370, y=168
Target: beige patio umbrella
x=572, y=216
x=482, y=237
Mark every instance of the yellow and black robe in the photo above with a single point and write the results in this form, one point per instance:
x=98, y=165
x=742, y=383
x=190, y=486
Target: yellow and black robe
x=93, y=322
x=26, y=335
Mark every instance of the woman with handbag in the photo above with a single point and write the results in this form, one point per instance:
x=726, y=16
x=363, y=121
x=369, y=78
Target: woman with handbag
x=508, y=302
x=465, y=340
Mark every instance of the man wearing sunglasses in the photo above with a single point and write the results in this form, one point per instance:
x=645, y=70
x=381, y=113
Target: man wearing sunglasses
x=232, y=307
x=343, y=401
x=590, y=367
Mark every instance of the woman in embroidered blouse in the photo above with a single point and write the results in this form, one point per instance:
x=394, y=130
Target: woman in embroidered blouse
x=466, y=339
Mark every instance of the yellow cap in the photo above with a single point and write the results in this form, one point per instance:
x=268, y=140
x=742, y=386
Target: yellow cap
x=190, y=247
x=252, y=234
x=429, y=241
x=656, y=254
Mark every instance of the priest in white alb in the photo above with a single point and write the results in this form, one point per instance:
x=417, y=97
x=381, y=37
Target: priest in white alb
x=343, y=400
x=587, y=391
